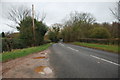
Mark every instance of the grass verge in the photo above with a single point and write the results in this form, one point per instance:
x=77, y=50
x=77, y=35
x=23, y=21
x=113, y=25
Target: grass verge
x=22, y=52
x=110, y=48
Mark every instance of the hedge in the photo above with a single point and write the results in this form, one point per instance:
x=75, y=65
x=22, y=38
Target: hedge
x=101, y=41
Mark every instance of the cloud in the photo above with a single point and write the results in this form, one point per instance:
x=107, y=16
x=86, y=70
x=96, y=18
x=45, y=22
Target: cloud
x=57, y=11
x=59, y=0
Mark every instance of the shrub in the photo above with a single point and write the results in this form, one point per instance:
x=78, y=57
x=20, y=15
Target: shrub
x=8, y=44
x=100, y=32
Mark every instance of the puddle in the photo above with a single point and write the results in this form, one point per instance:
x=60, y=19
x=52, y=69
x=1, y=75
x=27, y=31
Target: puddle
x=41, y=57
x=40, y=69
x=47, y=70
x=43, y=70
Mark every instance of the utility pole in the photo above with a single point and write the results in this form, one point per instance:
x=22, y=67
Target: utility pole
x=33, y=24
x=119, y=11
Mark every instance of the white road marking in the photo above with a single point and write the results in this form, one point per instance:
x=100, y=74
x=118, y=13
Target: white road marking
x=73, y=49
x=104, y=60
x=69, y=47
x=98, y=62
x=61, y=44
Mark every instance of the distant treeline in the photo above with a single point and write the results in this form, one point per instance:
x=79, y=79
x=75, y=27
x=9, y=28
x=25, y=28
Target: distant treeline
x=84, y=28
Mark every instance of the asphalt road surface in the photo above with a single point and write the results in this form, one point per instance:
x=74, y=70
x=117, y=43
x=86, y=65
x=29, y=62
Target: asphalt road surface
x=71, y=61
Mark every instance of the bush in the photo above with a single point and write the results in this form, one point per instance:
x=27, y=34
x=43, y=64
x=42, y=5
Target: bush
x=18, y=44
x=100, y=33
x=8, y=44
x=100, y=41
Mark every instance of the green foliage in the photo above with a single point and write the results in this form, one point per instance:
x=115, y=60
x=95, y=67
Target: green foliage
x=3, y=34
x=114, y=29
x=53, y=34
x=17, y=44
x=100, y=32
x=22, y=52
x=82, y=25
x=40, y=31
x=77, y=27
x=67, y=34
x=14, y=43
x=101, y=41
x=25, y=37
x=6, y=44
x=26, y=32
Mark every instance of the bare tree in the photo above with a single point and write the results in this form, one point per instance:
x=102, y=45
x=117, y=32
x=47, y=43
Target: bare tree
x=17, y=14
x=40, y=18
x=43, y=16
x=116, y=11
x=76, y=17
x=86, y=17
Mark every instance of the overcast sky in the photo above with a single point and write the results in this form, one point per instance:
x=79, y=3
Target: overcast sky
x=56, y=11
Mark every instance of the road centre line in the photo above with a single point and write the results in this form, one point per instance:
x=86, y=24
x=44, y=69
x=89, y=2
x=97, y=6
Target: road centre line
x=69, y=47
x=73, y=49
x=104, y=60
x=61, y=44
x=95, y=57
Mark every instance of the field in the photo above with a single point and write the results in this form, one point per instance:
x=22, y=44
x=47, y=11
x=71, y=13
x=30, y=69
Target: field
x=22, y=52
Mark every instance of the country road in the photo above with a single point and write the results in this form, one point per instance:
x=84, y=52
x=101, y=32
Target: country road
x=71, y=61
